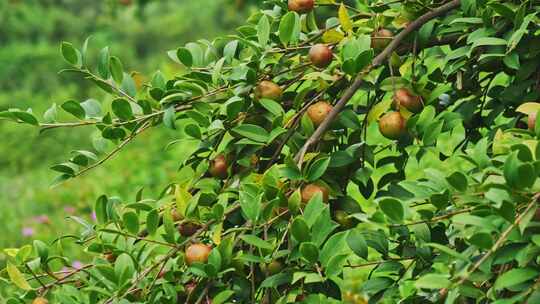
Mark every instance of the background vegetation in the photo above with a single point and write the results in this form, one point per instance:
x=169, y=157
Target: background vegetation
x=30, y=33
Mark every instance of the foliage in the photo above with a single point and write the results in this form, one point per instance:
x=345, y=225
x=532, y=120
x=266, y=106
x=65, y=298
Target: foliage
x=30, y=31
x=444, y=212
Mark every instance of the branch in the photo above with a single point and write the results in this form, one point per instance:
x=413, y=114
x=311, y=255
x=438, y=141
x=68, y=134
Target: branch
x=500, y=241
x=115, y=151
x=435, y=219
x=349, y=93
x=379, y=262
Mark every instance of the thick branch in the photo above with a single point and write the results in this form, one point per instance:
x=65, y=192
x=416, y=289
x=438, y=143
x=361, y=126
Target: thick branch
x=349, y=93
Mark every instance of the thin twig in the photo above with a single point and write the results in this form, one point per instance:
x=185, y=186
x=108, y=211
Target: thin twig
x=34, y=275
x=379, y=262
x=115, y=150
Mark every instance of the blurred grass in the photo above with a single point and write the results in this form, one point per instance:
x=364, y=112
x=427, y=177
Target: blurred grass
x=30, y=33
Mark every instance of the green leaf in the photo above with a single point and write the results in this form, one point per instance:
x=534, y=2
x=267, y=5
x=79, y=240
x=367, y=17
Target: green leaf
x=294, y=201
x=74, y=108
x=253, y=132
x=447, y=250
x=70, y=54
x=250, y=204
x=289, y=27
x=23, y=116
x=17, y=277
x=131, y=222
x=488, y=41
x=309, y=251
x=214, y=259
x=193, y=130
x=152, y=221
x=272, y=107
x=458, y=180
x=42, y=250
x=256, y=241
x=276, y=280
x=116, y=68
x=393, y=209
x=103, y=63
x=222, y=297
x=313, y=209
x=101, y=209
x=334, y=267
x=51, y=114
x=122, y=109
x=336, y=245
x=123, y=268
x=184, y=55
x=357, y=243
x=514, y=277
x=263, y=30
x=169, y=118
x=317, y=169
x=433, y=281
x=128, y=85
x=344, y=19
x=300, y=230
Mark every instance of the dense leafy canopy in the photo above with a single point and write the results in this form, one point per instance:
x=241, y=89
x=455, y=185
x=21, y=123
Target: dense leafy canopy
x=409, y=158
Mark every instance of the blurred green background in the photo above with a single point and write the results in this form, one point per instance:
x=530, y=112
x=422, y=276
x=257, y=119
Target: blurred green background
x=137, y=31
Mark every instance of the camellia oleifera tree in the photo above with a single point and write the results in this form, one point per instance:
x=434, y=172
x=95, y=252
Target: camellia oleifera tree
x=386, y=152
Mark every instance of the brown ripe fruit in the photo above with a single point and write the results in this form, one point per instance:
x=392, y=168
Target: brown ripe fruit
x=269, y=90
x=176, y=216
x=531, y=122
x=411, y=102
x=310, y=190
x=317, y=112
x=188, y=229
x=320, y=55
x=381, y=39
x=219, y=167
x=125, y=2
x=40, y=300
x=197, y=253
x=110, y=257
x=301, y=6
x=392, y=125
